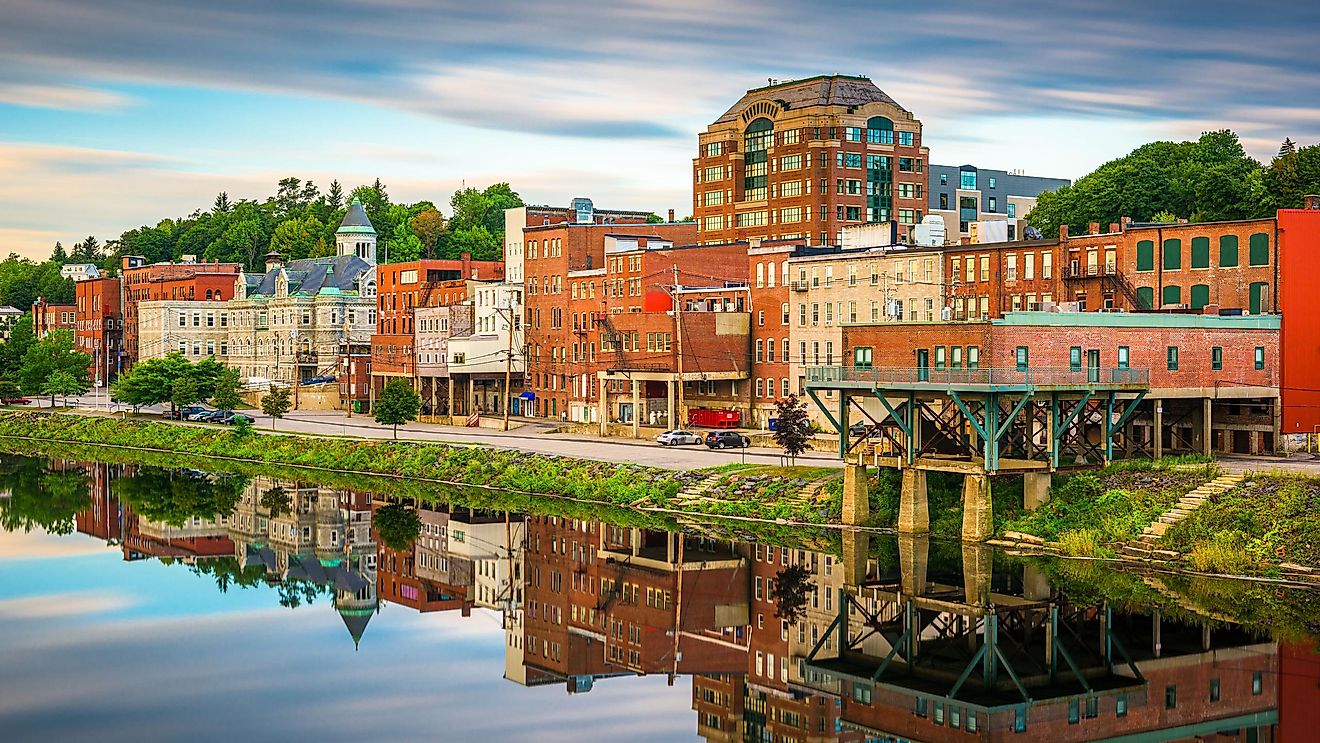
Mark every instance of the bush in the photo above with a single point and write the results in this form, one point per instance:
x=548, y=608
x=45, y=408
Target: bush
x=1080, y=543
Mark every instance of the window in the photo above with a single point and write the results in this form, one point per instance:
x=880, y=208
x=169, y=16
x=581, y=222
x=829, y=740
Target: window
x=955, y=357
x=939, y=357
x=1120, y=705
x=1173, y=358
x=1214, y=690
x=921, y=707
x=1258, y=250
x=993, y=204
x=939, y=712
x=1020, y=720
x=1172, y=254
x=905, y=139
x=1122, y=357
x=1074, y=711
x=1023, y=357
x=1257, y=682
x=862, y=357
x=973, y=357
x=1200, y=252
x=1146, y=255
x=1199, y=296
x=1145, y=297
x=1075, y=358
x=1228, y=251
x=1172, y=294
x=1260, y=357
x=967, y=180
x=861, y=693
x=1170, y=696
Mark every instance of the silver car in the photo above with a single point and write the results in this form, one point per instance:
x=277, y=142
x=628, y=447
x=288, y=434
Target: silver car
x=678, y=438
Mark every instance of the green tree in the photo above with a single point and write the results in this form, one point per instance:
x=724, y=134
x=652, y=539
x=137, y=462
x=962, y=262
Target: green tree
x=184, y=392
x=297, y=238
x=793, y=429
x=63, y=383
x=792, y=588
x=58, y=255
x=428, y=226
x=335, y=196
x=51, y=354
x=476, y=224
x=276, y=501
x=21, y=339
x=87, y=251
x=153, y=381
x=397, y=526
x=41, y=497
x=398, y=404
x=176, y=496
x=227, y=391
x=9, y=390
x=276, y=403
x=222, y=203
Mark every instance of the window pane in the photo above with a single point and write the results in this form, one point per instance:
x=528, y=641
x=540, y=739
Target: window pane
x=1228, y=251
x=1172, y=254
x=1146, y=255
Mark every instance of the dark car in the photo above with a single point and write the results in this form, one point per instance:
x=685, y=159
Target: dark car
x=233, y=418
x=321, y=380
x=858, y=430
x=213, y=416
x=727, y=440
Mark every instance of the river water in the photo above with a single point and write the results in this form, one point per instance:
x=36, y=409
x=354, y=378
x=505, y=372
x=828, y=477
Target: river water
x=150, y=603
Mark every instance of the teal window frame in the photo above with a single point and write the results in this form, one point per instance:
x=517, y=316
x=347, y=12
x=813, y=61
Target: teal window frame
x=862, y=357
x=922, y=707
x=1200, y=252
x=1023, y=357
x=1256, y=296
x=1214, y=689
x=1172, y=254
x=1228, y=251
x=1020, y=719
x=1120, y=705
x=1257, y=683
x=1075, y=358
x=1123, y=355
x=973, y=357
x=1260, y=357
x=1217, y=358
x=1074, y=711
x=1172, y=357
x=1145, y=255
x=1171, y=696
x=1258, y=249
x=940, y=357
x=955, y=357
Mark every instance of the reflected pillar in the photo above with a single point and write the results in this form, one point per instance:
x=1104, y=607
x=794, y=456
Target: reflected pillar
x=977, y=562
x=913, y=563
x=856, y=547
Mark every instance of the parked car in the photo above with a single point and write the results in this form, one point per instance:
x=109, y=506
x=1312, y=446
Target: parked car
x=233, y=418
x=678, y=438
x=727, y=440
x=213, y=416
x=200, y=414
x=179, y=414
x=17, y=401
x=863, y=429
x=326, y=379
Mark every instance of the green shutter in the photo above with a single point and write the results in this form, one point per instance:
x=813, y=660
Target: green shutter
x=1146, y=297
x=1200, y=252
x=1200, y=296
x=1228, y=251
x=1257, y=296
x=1259, y=252
x=1145, y=255
x=1172, y=254
x=1172, y=294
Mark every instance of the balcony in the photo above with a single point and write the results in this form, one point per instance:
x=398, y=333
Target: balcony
x=799, y=286
x=306, y=357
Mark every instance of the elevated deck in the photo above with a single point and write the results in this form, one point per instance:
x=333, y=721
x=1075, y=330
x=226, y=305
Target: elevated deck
x=902, y=380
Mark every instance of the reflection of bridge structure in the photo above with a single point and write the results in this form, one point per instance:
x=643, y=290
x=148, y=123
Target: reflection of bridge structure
x=975, y=422
x=920, y=649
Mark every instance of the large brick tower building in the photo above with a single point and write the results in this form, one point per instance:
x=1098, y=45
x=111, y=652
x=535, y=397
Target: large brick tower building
x=802, y=159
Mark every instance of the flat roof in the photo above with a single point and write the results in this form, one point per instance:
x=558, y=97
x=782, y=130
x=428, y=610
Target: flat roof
x=1137, y=320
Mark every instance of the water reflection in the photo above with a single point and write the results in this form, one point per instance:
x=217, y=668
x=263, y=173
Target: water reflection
x=813, y=639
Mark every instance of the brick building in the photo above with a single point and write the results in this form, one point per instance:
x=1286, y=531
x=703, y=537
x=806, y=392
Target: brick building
x=186, y=280
x=801, y=159
x=581, y=211
x=100, y=326
x=47, y=317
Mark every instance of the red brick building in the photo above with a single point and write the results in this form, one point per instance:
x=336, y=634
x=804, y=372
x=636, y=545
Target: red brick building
x=47, y=317
x=100, y=326
x=804, y=158
x=184, y=280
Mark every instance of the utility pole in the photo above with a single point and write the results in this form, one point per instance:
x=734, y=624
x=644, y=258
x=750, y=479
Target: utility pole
x=508, y=367
x=678, y=350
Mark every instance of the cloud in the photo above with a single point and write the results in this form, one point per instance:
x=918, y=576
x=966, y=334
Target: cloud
x=63, y=97
x=63, y=605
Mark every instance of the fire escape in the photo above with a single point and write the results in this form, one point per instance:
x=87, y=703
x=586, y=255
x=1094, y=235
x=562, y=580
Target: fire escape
x=1111, y=279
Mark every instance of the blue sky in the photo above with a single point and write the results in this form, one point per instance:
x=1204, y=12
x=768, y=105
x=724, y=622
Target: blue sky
x=117, y=113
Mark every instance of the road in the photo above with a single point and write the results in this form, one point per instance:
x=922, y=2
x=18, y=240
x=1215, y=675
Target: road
x=530, y=435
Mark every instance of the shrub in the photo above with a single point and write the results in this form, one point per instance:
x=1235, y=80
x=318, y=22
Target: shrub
x=1223, y=553
x=1080, y=543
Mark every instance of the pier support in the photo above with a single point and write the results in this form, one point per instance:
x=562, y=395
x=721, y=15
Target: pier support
x=856, y=495
x=977, y=525
x=1035, y=490
x=913, y=508
x=977, y=562
x=856, y=548
x=913, y=563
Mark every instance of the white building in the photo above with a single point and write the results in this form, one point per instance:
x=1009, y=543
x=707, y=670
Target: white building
x=80, y=271
x=479, y=362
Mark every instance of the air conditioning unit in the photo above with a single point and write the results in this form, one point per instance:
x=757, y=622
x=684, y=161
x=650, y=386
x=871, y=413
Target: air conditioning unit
x=1112, y=309
x=1070, y=307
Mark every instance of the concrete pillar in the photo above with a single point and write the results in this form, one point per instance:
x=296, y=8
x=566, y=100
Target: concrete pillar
x=1207, y=428
x=913, y=508
x=449, y=398
x=1035, y=584
x=604, y=404
x=1158, y=428
x=637, y=409
x=856, y=547
x=856, y=495
x=977, y=525
x=472, y=394
x=1156, y=632
x=1277, y=438
x=977, y=562
x=1035, y=490
x=671, y=421
x=913, y=563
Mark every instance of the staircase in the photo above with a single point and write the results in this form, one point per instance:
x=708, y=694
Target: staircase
x=1182, y=509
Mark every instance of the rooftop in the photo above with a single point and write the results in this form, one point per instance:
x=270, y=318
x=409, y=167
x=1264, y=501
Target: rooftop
x=822, y=90
x=355, y=220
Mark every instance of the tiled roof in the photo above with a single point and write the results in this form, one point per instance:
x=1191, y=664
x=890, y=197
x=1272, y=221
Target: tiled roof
x=356, y=221
x=311, y=275
x=825, y=90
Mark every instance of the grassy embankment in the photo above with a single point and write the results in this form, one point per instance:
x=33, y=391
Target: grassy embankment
x=755, y=491
x=1266, y=521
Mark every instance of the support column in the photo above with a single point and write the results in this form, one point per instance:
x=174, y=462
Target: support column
x=671, y=421
x=856, y=495
x=1035, y=584
x=977, y=562
x=472, y=394
x=913, y=508
x=856, y=547
x=604, y=409
x=1207, y=427
x=449, y=398
x=913, y=563
x=637, y=410
x=977, y=526
x=1158, y=427
x=1035, y=490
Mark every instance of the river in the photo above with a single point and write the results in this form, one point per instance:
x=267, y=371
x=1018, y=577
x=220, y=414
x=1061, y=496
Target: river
x=155, y=603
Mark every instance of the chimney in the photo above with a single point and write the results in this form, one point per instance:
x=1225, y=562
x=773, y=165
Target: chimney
x=273, y=260
x=1063, y=233
x=1093, y=228
x=671, y=215
x=1311, y=201
x=1126, y=222
x=1113, y=228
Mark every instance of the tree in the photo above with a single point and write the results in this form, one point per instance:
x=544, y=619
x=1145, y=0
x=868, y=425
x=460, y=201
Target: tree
x=40, y=496
x=398, y=403
x=64, y=383
x=397, y=526
x=276, y=403
x=184, y=392
x=53, y=353
x=276, y=501
x=9, y=390
x=176, y=496
x=335, y=196
x=58, y=255
x=793, y=429
x=792, y=587
x=227, y=391
x=154, y=381
x=87, y=251
x=476, y=224
x=222, y=204
x=428, y=226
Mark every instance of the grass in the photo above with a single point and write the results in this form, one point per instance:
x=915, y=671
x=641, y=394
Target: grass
x=1267, y=519
x=1080, y=542
x=1223, y=553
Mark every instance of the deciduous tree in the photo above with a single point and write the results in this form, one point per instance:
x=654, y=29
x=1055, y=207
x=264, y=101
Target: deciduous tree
x=51, y=354
x=793, y=428
x=398, y=404
x=397, y=526
x=276, y=403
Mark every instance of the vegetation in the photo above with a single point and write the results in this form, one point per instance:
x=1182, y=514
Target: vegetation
x=172, y=378
x=793, y=427
x=398, y=404
x=175, y=497
x=1264, y=520
x=226, y=394
x=41, y=495
x=277, y=501
x=52, y=354
x=397, y=526
x=276, y=403
x=1207, y=180
x=792, y=588
x=63, y=383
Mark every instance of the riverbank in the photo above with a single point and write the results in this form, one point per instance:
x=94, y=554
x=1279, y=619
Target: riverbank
x=795, y=495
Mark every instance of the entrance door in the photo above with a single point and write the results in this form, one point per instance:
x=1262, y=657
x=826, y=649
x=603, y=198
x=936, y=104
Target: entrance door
x=1258, y=301
x=923, y=365
x=1093, y=365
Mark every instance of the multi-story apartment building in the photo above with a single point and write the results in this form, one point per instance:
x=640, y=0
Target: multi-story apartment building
x=491, y=352
x=802, y=159
x=435, y=326
x=582, y=211
x=100, y=326
x=47, y=317
x=184, y=281
x=963, y=195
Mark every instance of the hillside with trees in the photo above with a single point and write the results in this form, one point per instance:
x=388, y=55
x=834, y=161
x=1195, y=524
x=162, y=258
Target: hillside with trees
x=1210, y=179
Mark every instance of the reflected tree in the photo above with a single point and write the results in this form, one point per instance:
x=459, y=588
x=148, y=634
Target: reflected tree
x=173, y=496
x=397, y=526
x=41, y=495
x=792, y=588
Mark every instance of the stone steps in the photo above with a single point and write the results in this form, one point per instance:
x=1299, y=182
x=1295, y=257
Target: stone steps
x=1185, y=506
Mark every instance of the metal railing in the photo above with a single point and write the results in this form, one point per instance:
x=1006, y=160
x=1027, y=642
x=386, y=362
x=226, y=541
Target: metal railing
x=984, y=376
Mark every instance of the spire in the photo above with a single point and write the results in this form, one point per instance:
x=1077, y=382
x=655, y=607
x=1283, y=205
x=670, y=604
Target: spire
x=355, y=220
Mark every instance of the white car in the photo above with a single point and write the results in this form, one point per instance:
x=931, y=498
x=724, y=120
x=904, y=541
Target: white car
x=678, y=438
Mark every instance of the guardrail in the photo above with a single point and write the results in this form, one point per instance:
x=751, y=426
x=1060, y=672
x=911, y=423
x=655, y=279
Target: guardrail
x=985, y=376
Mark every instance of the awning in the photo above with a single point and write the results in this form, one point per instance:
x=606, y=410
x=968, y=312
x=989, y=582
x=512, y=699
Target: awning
x=528, y=395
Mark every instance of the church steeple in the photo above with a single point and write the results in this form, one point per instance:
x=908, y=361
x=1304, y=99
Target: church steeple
x=356, y=236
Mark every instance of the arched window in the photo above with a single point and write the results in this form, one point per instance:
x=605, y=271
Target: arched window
x=879, y=130
x=757, y=139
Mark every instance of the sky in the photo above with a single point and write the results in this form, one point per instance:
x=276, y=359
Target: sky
x=117, y=113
